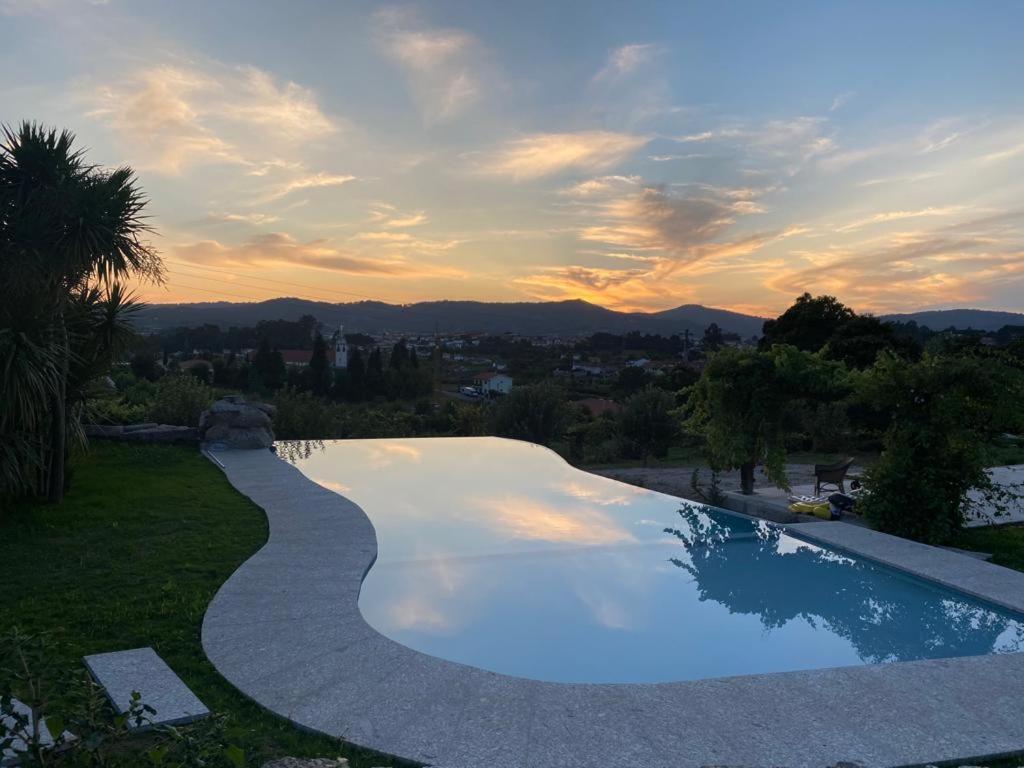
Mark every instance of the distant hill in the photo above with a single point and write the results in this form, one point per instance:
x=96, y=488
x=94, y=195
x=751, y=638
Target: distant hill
x=531, y=318
x=961, y=319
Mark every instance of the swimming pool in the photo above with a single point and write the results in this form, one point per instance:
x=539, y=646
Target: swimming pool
x=498, y=554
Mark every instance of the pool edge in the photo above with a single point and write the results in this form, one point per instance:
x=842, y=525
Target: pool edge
x=343, y=678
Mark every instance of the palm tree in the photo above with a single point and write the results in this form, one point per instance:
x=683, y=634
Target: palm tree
x=66, y=228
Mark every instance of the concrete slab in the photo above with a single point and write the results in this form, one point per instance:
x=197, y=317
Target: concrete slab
x=306, y=654
x=123, y=672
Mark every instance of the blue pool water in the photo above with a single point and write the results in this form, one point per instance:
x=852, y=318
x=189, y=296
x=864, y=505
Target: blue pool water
x=498, y=554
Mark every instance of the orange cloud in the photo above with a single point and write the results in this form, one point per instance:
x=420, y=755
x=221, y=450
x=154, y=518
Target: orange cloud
x=281, y=249
x=527, y=518
x=544, y=154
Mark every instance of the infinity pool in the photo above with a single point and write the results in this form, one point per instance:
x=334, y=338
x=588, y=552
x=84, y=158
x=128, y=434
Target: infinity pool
x=498, y=554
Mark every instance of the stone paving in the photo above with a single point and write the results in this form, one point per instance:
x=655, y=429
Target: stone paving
x=286, y=630
x=121, y=673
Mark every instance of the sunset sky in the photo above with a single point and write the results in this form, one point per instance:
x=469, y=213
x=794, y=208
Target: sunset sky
x=637, y=155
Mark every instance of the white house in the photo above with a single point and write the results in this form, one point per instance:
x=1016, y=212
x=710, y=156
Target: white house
x=493, y=383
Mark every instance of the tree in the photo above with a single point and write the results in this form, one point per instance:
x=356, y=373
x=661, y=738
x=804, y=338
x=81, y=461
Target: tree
x=65, y=227
x=268, y=368
x=399, y=356
x=319, y=367
x=374, y=379
x=647, y=424
x=713, y=339
x=537, y=413
x=860, y=340
x=942, y=413
x=630, y=380
x=356, y=385
x=743, y=398
x=808, y=324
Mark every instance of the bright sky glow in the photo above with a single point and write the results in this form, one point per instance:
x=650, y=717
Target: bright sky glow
x=636, y=155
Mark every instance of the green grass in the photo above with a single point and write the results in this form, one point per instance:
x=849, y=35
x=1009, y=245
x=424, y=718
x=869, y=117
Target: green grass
x=132, y=557
x=1005, y=543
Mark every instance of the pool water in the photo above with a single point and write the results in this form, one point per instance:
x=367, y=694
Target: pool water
x=498, y=554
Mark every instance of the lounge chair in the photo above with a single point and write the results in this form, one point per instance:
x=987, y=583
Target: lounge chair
x=831, y=474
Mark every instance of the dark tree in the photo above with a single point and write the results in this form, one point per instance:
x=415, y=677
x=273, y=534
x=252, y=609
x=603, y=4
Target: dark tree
x=356, y=385
x=647, y=424
x=268, y=367
x=374, y=379
x=808, y=324
x=65, y=226
x=713, y=338
x=319, y=367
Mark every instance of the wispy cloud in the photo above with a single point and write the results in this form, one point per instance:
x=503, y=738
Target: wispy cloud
x=317, y=180
x=545, y=154
x=172, y=117
x=387, y=215
x=280, y=249
x=886, y=217
x=627, y=59
x=841, y=100
x=443, y=66
x=961, y=262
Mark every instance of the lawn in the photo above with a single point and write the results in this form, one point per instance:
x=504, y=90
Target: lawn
x=1005, y=543
x=131, y=558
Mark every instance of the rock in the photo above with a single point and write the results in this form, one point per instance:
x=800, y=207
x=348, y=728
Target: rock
x=237, y=423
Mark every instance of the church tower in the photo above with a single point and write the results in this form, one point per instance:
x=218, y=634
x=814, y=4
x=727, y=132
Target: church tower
x=341, y=349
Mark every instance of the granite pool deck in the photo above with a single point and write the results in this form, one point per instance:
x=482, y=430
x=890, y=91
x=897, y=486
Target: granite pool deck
x=286, y=630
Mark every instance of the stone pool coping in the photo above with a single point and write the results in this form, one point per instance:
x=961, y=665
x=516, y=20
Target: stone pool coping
x=286, y=630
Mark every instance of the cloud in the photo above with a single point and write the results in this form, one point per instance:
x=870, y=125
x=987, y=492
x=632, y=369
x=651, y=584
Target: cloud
x=670, y=223
x=172, y=117
x=1007, y=153
x=280, y=249
x=627, y=59
x=245, y=218
x=962, y=262
x=775, y=146
x=442, y=66
x=598, y=186
x=945, y=132
x=527, y=519
x=387, y=215
x=545, y=154
x=841, y=100
x=888, y=216
x=907, y=178
x=307, y=181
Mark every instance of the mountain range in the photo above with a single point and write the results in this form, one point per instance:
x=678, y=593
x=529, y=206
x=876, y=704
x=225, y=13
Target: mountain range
x=529, y=318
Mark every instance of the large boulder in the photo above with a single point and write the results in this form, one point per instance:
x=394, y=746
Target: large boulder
x=236, y=423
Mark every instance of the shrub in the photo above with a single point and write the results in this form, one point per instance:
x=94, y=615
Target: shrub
x=647, y=423
x=537, y=413
x=944, y=411
x=113, y=411
x=301, y=416
x=179, y=400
